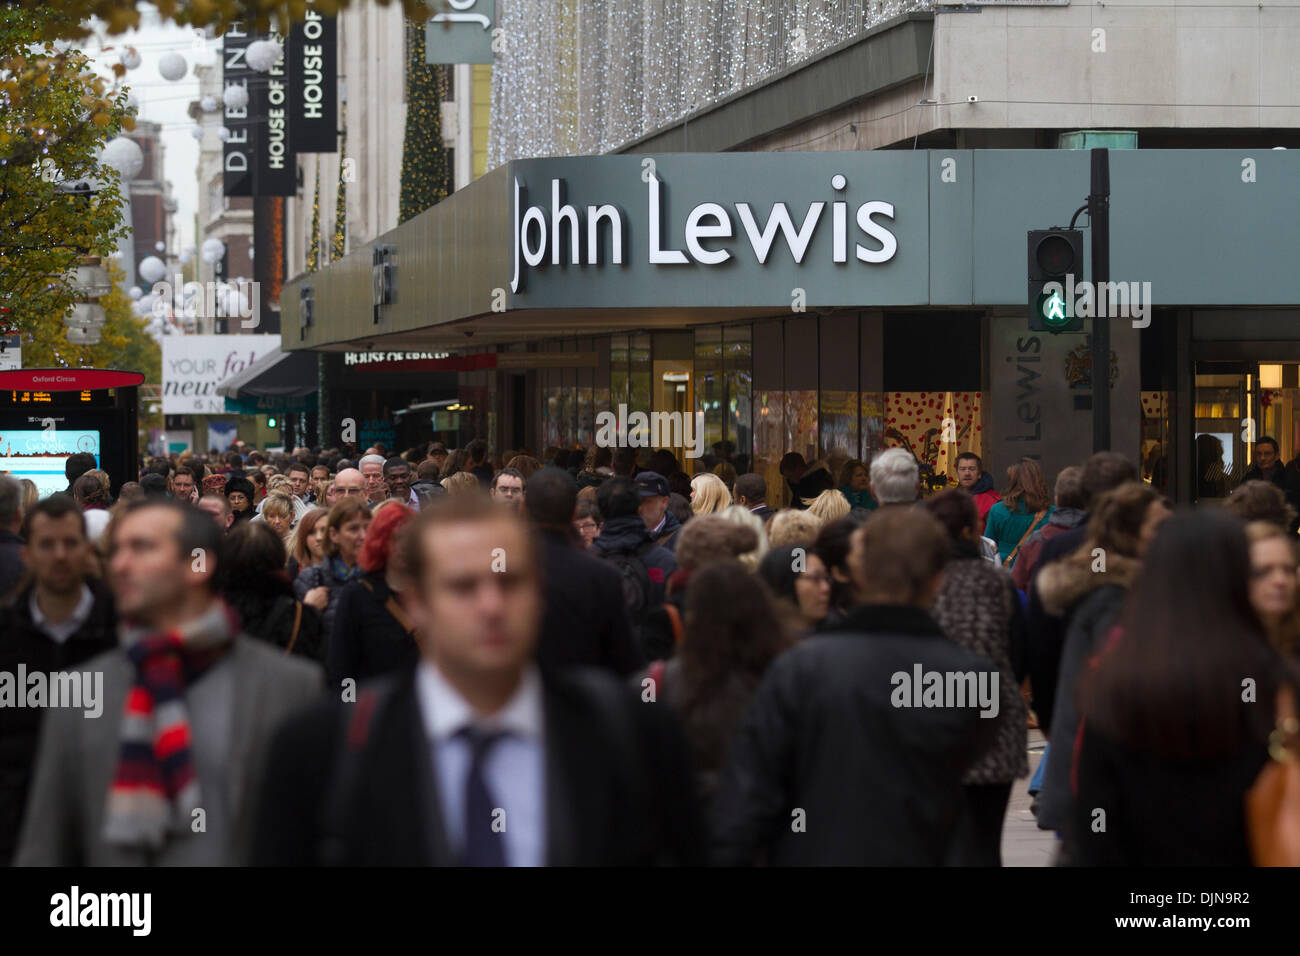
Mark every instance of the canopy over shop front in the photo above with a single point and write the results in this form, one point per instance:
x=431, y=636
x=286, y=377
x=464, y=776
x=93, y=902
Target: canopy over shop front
x=277, y=382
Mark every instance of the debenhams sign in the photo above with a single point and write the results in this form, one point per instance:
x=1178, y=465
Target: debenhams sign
x=842, y=228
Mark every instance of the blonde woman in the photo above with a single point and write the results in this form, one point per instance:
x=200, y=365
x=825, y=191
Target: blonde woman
x=462, y=483
x=100, y=475
x=279, y=513
x=307, y=542
x=708, y=494
x=739, y=514
x=830, y=505
x=796, y=529
x=283, y=487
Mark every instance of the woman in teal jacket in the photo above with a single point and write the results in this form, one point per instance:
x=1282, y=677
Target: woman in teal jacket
x=1024, y=508
x=854, y=481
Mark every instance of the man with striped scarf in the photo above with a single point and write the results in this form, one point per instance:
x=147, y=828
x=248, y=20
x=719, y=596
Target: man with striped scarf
x=163, y=776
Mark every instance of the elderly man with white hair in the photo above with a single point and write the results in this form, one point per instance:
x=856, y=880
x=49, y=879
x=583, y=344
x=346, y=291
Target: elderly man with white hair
x=895, y=477
x=372, y=470
x=896, y=480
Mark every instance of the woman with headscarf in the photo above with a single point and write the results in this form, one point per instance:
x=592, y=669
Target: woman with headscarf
x=242, y=497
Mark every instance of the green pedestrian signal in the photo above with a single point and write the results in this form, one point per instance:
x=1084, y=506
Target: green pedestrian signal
x=1054, y=255
x=1052, y=310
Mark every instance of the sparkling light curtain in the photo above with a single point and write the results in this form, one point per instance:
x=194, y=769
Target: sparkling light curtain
x=587, y=76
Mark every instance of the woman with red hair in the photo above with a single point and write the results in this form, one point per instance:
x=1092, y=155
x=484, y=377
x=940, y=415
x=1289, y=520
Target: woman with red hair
x=371, y=634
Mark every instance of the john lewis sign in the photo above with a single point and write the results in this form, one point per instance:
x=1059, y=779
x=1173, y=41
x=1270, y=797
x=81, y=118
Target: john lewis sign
x=713, y=233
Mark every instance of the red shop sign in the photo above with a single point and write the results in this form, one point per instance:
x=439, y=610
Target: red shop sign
x=66, y=379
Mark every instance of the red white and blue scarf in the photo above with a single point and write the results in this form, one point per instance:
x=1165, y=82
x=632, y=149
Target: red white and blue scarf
x=155, y=791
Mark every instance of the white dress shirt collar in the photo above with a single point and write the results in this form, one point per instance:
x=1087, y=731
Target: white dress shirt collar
x=445, y=712
x=68, y=626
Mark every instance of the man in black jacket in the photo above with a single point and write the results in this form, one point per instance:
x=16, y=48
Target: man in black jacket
x=849, y=756
x=60, y=619
x=476, y=756
x=585, y=622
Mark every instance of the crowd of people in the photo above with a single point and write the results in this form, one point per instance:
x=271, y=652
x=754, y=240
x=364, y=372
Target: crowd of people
x=451, y=657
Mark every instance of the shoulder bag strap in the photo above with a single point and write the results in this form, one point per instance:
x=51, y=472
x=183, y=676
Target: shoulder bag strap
x=297, y=623
x=675, y=619
x=1038, y=516
x=393, y=608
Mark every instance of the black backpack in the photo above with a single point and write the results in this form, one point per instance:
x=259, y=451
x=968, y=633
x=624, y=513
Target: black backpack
x=638, y=592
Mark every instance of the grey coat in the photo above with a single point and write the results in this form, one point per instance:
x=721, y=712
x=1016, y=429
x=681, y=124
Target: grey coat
x=78, y=756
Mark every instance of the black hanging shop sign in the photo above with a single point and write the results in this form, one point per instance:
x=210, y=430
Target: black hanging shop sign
x=259, y=158
x=237, y=152
x=313, y=83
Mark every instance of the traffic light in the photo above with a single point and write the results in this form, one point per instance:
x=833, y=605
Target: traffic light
x=1054, y=254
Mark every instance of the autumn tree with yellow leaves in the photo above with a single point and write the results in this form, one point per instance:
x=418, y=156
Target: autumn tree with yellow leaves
x=56, y=114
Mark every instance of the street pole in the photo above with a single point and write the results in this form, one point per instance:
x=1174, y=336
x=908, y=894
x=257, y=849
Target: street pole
x=1099, y=221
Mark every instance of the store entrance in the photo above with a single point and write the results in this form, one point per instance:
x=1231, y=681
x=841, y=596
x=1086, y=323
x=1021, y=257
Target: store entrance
x=1236, y=404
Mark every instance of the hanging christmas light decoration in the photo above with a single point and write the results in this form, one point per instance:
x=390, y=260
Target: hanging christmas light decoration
x=145, y=304
x=130, y=58
x=172, y=66
x=235, y=96
x=564, y=85
x=135, y=292
x=152, y=269
x=262, y=55
x=223, y=134
x=124, y=155
x=196, y=132
x=212, y=250
x=208, y=104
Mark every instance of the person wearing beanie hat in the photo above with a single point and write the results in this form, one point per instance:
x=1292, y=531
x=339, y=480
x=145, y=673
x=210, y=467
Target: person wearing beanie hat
x=240, y=493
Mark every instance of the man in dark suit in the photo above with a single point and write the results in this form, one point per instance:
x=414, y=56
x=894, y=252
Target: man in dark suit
x=751, y=492
x=477, y=756
x=842, y=760
x=585, y=622
x=185, y=706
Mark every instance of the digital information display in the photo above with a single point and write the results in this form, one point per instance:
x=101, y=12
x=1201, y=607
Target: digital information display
x=41, y=454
